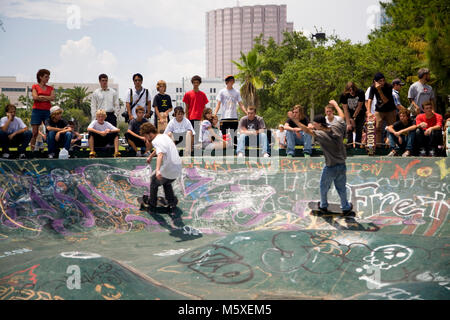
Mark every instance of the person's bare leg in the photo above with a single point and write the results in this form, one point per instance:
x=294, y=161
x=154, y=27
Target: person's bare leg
x=189, y=143
x=91, y=143
x=116, y=144
x=35, y=131
x=132, y=145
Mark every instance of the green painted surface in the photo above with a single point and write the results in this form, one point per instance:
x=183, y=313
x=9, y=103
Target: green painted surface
x=242, y=231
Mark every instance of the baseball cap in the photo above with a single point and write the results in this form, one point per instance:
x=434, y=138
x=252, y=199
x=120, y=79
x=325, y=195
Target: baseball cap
x=54, y=109
x=321, y=120
x=398, y=81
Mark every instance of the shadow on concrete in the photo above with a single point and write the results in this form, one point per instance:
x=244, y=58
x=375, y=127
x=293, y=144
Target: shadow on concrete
x=181, y=231
x=346, y=223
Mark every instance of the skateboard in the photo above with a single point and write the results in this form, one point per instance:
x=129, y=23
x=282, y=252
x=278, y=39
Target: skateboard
x=447, y=137
x=162, y=124
x=371, y=142
x=334, y=209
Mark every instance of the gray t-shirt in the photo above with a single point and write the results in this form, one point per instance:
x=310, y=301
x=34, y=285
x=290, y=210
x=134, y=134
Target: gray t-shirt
x=420, y=93
x=252, y=125
x=331, y=143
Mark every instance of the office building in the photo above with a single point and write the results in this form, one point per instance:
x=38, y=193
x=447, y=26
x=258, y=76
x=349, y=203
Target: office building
x=231, y=31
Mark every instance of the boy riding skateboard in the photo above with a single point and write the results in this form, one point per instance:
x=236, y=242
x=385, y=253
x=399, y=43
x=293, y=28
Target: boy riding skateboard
x=330, y=137
x=168, y=166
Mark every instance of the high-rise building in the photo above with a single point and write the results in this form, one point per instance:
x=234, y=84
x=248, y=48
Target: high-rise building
x=231, y=31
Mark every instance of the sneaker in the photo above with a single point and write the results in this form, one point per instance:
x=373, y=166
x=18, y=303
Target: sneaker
x=289, y=156
x=322, y=210
x=5, y=156
x=138, y=154
x=393, y=153
x=117, y=154
x=22, y=156
x=147, y=154
x=307, y=155
x=431, y=153
x=407, y=153
x=423, y=153
x=266, y=155
x=240, y=155
x=92, y=155
x=51, y=156
x=349, y=211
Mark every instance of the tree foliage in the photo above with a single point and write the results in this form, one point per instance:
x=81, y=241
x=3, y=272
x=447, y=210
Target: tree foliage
x=310, y=73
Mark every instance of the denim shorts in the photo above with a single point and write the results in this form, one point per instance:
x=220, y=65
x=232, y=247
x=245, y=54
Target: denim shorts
x=38, y=116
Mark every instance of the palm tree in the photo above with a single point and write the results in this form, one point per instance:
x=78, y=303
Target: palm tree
x=250, y=76
x=76, y=98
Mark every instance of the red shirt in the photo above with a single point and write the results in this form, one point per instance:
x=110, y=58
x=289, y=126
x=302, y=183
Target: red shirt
x=436, y=120
x=42, y=105
x=196, y=102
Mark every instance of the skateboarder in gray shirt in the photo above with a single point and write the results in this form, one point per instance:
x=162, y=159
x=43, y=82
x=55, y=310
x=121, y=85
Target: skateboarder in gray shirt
x=330, y=137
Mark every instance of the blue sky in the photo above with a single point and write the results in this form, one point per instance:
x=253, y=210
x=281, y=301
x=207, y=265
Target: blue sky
x=160, y=39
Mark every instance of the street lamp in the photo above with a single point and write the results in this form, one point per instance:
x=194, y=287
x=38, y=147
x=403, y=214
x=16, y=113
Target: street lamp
x=319, y=36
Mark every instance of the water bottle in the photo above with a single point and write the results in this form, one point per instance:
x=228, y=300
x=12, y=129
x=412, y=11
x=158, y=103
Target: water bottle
x=64, y=154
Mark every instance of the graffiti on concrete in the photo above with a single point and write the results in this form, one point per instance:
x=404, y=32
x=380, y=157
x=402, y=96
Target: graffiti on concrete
x=216, y=198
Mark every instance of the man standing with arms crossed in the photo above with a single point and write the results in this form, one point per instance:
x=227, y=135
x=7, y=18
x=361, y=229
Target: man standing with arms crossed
x=330, y=137
x=107, y=99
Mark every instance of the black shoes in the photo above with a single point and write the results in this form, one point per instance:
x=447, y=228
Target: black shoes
x=349, y=212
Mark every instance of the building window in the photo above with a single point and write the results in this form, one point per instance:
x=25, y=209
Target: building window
x=13, y=89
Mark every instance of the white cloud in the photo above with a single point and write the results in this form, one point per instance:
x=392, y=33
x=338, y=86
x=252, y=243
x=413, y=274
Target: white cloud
x=80, y=60
x=172, y=66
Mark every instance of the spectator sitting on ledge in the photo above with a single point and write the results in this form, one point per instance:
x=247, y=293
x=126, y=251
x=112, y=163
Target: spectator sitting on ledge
x=429, y=130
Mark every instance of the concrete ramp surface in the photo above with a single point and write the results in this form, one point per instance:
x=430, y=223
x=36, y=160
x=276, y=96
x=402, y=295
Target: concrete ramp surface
x=73, y=229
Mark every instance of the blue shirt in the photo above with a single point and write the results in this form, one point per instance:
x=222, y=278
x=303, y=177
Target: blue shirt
x=396, y=97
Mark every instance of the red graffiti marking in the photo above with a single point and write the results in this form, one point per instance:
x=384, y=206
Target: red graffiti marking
x=20, y=277
x=404, y=172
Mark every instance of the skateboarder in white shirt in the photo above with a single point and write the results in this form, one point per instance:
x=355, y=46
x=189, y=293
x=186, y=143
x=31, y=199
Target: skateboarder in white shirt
x=168, y=166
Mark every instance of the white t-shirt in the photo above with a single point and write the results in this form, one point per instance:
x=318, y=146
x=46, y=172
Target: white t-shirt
x=15, y=125
x=179, y=127
x=281, y=135
x=141, y=101
x=101, y=127
x=374, y=101
x=336, y=118
x=205, y=135
x=229, y=100
x=171, y=166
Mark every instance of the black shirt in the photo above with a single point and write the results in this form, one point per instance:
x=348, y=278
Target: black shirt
x=292, y=124
x=163, y=102
x=61, y=124
x=400, y=126
x=387, y=91
x=352, y=102
x=135, y=125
